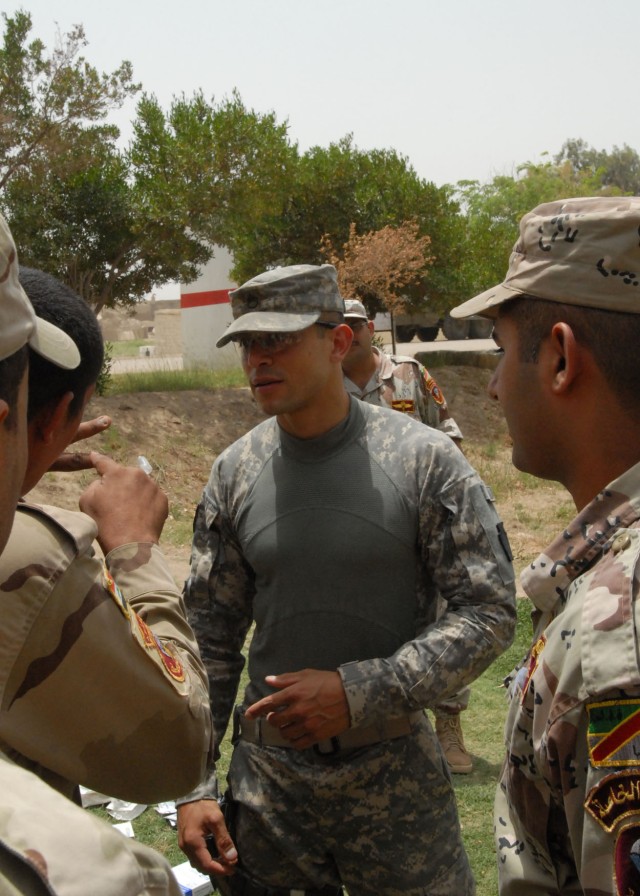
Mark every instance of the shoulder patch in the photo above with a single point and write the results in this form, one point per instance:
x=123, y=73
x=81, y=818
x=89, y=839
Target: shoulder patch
x=613, y=733
x=433, y=388
x=614, y=798
x=113, y=589
x=162, y=653
x=627, y=861
x=532, y=665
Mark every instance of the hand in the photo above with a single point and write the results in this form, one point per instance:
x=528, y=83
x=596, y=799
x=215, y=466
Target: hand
x=195, y=821
x=127, y=505
x=309, y=706
x=72, y=461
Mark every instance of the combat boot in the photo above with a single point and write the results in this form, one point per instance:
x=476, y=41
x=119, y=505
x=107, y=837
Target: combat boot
x=449, y=733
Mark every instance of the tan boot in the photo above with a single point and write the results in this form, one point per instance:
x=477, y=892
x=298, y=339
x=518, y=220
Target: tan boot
x=449, y=732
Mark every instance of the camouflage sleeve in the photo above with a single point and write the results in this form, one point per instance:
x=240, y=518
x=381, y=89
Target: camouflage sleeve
x=49, y=845
x=105, y=687
x=436, y=408
x=219, y=597
x=466, y=559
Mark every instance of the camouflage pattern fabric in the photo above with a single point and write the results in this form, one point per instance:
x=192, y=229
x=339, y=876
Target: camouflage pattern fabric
x=458, y=553
x=402, y=383
x=49, y=846
x=336, y=820
x=567, y=810
x=101, y=683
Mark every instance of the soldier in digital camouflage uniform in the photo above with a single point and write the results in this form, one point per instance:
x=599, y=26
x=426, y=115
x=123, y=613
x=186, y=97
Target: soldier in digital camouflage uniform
x=101, y=682
x=402, y=383
x=567, y=812
x=48, y=845
x=334, y=525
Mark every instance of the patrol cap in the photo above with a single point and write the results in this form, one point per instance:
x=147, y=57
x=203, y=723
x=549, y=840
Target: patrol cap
x=18, y=322
x=283, y=300
x=577, y=251
x=354, y=308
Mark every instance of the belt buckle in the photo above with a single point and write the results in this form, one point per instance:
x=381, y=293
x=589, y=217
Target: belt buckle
x=335, y=747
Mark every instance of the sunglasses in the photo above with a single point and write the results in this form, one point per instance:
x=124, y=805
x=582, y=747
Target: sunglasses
x=355, y=324
x=272, y=343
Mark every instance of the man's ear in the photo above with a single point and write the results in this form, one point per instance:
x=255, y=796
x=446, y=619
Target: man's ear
x=4, y=411
x=565, y=357
x=342, y=337
x=49, y=421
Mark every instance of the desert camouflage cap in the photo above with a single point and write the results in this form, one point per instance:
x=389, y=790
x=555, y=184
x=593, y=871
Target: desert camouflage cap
x=576, y=251
x=354, y=308
x=18, y=322
x=283, y=300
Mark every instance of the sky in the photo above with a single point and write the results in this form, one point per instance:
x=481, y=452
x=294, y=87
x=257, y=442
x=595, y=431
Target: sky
x=464, y=89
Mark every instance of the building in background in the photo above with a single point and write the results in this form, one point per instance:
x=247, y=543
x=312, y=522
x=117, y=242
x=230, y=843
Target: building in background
x=205, y=314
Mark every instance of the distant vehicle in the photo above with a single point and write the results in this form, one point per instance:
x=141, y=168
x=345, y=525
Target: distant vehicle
x=426, y=325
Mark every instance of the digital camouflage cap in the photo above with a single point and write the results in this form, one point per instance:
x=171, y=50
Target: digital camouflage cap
x=283, y=300
x=18, y=322
x=354, y=308
x=575, y=251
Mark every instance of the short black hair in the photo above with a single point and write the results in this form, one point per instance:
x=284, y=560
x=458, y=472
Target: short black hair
x=57, y=303
x=612, y=337
x=12, y=371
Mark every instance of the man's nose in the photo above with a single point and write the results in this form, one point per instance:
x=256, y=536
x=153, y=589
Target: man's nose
x=256, y=354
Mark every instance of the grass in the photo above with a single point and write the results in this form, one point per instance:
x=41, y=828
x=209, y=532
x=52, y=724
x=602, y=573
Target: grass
x=174, y=380
x=129, y=348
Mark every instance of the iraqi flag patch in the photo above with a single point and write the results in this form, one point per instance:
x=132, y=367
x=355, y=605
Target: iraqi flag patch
x=613, y=733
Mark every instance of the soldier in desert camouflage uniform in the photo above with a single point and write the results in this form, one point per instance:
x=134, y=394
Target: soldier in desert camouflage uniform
x=402, y=383
x=334, y=525
x=392, y=381
x=567, y=317
x=101, y=679
x=48, y=845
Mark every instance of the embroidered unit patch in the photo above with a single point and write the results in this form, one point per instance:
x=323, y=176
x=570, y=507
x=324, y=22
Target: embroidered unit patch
x=433, y=388
x=532, y=665
x=111, y=586
x=615, y=797
x=168, y=659
x=627, y=861
x=613, y=734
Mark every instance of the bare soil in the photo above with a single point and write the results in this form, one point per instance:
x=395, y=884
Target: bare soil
x=181, y=433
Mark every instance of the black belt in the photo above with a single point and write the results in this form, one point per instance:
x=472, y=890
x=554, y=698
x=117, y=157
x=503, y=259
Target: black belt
x=259, y=731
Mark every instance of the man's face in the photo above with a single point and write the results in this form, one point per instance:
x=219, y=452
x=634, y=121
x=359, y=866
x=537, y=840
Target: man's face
x=289, y=376
x=362, y=338
x=13, y=458
x=517, y=386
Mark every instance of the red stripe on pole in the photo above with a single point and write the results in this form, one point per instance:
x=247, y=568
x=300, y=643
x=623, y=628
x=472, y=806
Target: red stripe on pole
x=200, y=299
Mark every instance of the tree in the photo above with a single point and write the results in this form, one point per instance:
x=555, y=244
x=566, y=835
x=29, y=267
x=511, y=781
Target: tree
x=44, y=97
x=379, y=266
x=331, y=188
x=619, y=168
x=493, y=212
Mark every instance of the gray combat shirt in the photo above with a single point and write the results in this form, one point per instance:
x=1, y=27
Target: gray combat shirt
x=283, y=535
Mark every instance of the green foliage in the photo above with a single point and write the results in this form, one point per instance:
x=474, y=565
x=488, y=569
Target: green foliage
x=328, y=190
x=104, y=378
x=47, y=98
x=493, y=211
